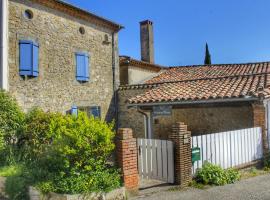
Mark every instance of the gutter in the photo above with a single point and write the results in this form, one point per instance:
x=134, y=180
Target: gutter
x=115, y=99
x=4, y=44
x=246, y=99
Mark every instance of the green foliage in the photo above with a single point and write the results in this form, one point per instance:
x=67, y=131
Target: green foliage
x=266, y=161
x=11, y=170
x=11, y=122
x=207, y=59
x=215, y=175
x=57, y=153
x=68, y=154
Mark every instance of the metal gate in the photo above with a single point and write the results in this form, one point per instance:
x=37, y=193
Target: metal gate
x=156, y=159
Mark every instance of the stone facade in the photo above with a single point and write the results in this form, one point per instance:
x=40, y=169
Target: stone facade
x=201, y=119
x=58, y=36
x=130, y=117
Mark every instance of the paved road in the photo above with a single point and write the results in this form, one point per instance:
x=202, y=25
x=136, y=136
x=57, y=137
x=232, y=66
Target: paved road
x=256, y=188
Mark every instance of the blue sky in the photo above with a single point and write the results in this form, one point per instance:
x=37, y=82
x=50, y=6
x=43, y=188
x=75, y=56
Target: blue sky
x=236, y=30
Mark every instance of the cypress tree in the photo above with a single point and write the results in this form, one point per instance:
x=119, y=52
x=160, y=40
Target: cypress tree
x=207, y=59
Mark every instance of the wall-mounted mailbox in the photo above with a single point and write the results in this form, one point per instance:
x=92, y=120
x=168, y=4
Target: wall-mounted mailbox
x=195, y=154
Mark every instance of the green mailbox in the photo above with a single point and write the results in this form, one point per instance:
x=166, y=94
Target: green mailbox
x=195, y=154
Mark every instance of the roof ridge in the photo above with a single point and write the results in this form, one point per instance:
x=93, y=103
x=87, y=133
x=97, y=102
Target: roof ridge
x=222, y=64
x=189, y=80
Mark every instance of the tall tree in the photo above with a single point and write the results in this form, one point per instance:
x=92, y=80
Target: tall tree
x=207, y=59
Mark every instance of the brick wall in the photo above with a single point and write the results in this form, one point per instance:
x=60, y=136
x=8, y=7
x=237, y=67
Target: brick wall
x=181, y=138
x=126, y=149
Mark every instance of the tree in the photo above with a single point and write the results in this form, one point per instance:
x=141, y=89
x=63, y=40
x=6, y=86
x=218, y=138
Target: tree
x=207, y=59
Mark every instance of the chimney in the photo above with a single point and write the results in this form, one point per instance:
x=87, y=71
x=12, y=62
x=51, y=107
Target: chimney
x=147, y=41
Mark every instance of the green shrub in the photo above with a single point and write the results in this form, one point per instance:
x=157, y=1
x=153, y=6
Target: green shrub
x=11, y=122
x=215, y=175
x=266, y=160
x=68, y=154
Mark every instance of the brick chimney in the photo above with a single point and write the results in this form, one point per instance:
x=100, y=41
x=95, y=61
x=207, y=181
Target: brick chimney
x=147, y=41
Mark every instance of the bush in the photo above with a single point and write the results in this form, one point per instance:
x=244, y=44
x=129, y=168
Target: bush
x=266, y=161
x=11, y=123
x=68, y=154
x=215, y=175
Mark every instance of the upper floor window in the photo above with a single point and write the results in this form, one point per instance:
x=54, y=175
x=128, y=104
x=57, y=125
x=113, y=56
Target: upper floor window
x=82, y=67
x=29, y=53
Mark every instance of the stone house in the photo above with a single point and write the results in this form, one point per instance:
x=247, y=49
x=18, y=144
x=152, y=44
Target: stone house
x=208, y=98
x=56, y=56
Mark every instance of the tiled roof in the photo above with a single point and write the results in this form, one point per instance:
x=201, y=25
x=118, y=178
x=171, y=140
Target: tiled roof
x=126, y=60
x=210, y=71
x=207, y=82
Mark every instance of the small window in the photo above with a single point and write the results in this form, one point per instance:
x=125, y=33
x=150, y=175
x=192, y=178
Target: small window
x=82, y=30
x=28, y=14
x=95, y=111
x=29, y=55
x=91, y=111
x=82, y=67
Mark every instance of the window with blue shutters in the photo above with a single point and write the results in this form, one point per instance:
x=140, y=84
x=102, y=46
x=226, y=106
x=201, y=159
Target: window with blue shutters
x=95, y=111
x=82, y=65
x=29, y=55
x=91, y=111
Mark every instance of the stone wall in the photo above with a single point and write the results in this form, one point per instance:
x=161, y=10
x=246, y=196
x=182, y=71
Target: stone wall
x=201, y=119
x=58, y=36
x=205, y=119
x=130, y=117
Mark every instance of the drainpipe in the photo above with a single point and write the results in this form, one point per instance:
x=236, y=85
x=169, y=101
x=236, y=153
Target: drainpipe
x=4, y=44
x=148, y=123
x=115, y=99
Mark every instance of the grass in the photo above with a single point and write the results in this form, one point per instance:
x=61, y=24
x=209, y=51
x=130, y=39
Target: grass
x=252, y=172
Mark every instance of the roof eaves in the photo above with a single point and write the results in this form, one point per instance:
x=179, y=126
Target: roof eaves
x=108, y=23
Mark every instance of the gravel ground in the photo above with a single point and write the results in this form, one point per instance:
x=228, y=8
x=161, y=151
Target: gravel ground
x=256, y=188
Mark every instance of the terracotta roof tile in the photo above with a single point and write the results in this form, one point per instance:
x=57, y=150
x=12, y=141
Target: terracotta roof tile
x=206, y=82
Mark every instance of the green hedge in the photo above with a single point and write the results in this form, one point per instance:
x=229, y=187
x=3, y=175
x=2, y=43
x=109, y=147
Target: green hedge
x=59, y=153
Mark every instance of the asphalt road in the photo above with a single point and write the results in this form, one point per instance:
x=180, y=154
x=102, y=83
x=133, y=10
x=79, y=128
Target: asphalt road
x=256, y=188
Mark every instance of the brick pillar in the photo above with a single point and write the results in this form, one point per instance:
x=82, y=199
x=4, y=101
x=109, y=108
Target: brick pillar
x=182, y=153
x=260, y=121
x=126, y=149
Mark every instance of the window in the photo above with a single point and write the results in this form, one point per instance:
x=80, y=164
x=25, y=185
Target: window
x=91, y=111
x=28, y=14
x=29, y=53
x=82, y=30
x=95, y=111
x=82, y=65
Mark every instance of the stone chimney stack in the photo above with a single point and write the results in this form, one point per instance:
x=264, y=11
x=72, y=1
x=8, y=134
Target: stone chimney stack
x=147, y=41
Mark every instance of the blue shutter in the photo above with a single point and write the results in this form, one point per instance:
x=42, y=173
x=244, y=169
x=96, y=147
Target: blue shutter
x=86, y=58
x=82, y=62
x=25, y=58
x=95, y=111
x=29, y=52
x=74, y=110
x=35, y=60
